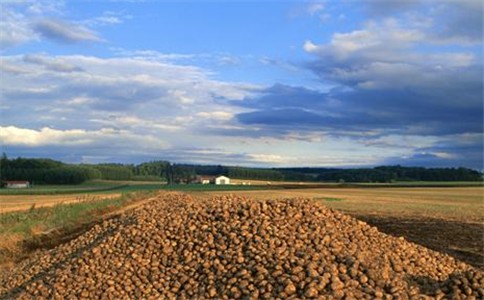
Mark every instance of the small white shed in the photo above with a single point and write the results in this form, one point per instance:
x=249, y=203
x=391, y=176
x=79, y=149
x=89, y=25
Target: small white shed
x=222, y=180
x=18, y=184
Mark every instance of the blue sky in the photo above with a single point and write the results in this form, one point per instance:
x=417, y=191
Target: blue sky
x=252, y=83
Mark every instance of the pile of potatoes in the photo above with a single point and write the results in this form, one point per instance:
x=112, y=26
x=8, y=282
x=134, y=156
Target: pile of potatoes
x=232, y=247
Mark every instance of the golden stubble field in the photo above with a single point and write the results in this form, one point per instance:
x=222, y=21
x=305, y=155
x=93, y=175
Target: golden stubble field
x=449, y=220
x=9, y=203
x=460, y=204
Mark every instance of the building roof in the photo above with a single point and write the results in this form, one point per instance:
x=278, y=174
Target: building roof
x=17, y=181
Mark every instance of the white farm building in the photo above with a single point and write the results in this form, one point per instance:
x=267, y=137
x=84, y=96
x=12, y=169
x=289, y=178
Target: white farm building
x=18, y=184
x=207, y=179
x=222, y=180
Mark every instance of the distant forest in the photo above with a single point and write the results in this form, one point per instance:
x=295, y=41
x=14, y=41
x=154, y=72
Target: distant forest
x=48, y=171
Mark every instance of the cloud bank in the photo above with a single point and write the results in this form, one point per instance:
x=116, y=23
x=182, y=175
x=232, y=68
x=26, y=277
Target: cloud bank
x=402, y=84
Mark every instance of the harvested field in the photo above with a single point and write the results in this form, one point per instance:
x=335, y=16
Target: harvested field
x=9, y=203
x=448, y=220
x=458, y=204
x=232, y=247
x=462, y=240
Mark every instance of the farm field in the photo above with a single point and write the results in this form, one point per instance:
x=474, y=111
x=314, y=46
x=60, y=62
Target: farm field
x=50, y=195
x=449, y=220
x=460, y=204
x=95, y=186
x=48, y=225
x=416, y=184
x=180, y=246
x=24, y=202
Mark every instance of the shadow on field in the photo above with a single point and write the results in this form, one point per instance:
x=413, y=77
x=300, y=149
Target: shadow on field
x=464, y=241
x=457, y=286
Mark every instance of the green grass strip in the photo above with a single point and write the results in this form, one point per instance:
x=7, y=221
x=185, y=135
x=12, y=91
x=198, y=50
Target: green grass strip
x=61, y=215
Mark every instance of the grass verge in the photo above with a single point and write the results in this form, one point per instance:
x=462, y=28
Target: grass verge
x=54, y=190
x=22, y=232
x=214, y=187
x=328, y=199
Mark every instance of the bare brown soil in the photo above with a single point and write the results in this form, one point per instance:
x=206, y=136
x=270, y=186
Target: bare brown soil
x=464, y=241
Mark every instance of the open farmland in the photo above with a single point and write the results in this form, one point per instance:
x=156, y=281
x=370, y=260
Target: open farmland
x=233, y=247
x=50, y=195
x=24, y=232
x=24, y=202
x=461, y=204
x=449, y=220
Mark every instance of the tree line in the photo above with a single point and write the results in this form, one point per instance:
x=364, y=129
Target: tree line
x=399, y=173
x=48, y=171
x=45, y=171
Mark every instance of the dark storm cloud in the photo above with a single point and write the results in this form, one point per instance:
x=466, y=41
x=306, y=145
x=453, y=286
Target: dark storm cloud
x=460, y=20
x=386, y=111
x=464, y=150
x=452, y=21
x=472, y=160
x=283, y=96
x=428, y=160
x=385, y=7
x=414, y=69
x=285, y=117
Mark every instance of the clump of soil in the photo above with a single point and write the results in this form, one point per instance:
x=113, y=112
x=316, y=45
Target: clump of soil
x=232, y=247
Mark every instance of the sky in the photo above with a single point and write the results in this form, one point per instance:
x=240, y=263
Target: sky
x=248, y=83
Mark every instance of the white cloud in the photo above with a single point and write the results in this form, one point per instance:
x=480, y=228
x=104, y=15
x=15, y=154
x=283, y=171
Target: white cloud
x=108, y=137
x=387, y=55
x=181, y=97
x=14, y=28
x=134, y=122
x=114, y=83
x=268, y=158
x=27, y=21
x=42, y=7
x=77, y=101
x=54, y=64
x=386, y=41
x=314, y=8
x=143, y=102
x=107, y=18
x=216, y=115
